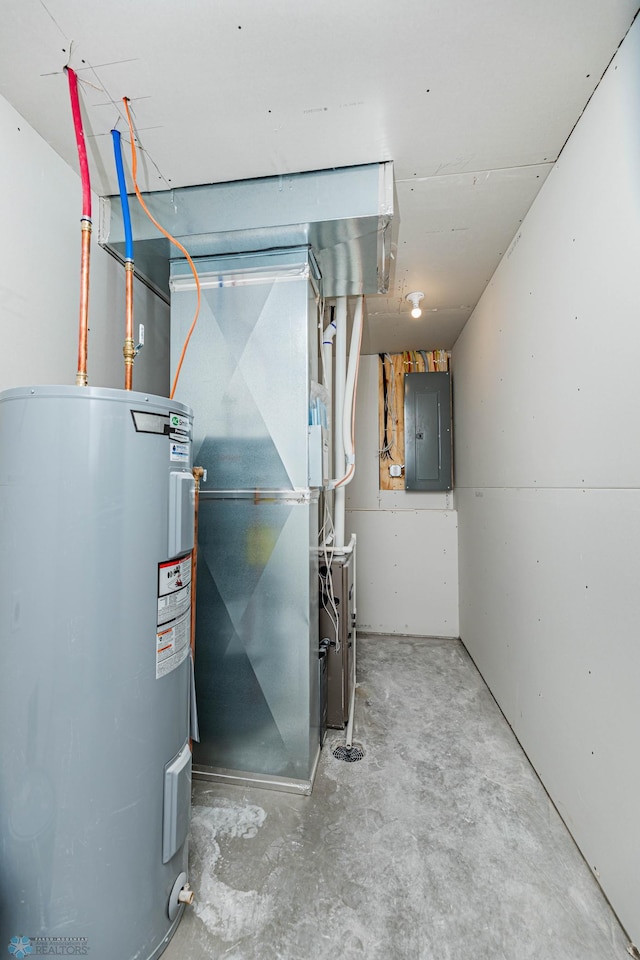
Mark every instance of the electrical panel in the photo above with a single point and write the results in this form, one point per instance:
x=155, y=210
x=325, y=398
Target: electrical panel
x=427, y=431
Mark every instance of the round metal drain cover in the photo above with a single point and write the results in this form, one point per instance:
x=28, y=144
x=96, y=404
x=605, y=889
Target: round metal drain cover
x=350, y=754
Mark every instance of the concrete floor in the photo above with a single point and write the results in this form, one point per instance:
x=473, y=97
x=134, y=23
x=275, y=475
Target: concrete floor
x=440, y=844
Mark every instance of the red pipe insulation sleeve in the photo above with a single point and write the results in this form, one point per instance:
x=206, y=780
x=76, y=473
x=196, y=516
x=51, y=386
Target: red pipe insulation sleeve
x=82, y=149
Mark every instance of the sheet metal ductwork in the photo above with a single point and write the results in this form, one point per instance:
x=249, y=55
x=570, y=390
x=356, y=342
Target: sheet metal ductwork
x=345, y=215
x=268, y=253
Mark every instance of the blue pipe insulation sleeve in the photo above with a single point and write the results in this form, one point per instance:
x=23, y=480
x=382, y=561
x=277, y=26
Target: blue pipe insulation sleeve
x=124, y=199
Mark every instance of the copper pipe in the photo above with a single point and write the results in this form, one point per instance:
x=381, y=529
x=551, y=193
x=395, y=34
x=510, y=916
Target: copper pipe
x=83, y=333
x=129, y=348
x=198, y=474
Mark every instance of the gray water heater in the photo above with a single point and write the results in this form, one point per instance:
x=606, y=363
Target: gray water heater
x=96, y=538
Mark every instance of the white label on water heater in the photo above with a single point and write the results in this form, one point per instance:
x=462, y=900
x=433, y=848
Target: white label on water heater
x=173, y=631
x=179, y=452
x=174, y=605
x=172, y=646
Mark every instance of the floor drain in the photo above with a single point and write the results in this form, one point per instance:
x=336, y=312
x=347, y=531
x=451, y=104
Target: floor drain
x=350, y=754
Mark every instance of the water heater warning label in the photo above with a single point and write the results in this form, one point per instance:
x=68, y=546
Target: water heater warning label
x=173, y=575
x=173, y=631
x=173, y=606
x=172, y=645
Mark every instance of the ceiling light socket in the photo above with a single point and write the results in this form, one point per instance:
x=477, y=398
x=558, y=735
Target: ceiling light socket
x=414, y=299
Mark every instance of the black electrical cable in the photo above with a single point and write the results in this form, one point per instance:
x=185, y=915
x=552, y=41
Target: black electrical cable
x=385, y=453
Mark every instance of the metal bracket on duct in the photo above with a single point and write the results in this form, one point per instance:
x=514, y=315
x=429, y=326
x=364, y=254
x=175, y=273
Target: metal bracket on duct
x=345, y=215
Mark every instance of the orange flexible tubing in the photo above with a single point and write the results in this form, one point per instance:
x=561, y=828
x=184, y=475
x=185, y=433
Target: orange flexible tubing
x=134, y=170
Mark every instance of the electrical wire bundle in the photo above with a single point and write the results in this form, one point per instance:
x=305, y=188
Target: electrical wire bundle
x=389, y=419
x=326, y=539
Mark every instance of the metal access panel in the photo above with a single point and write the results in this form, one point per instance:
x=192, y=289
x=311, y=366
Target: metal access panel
x=257, y=667
x=427, y=431
x=249, y=366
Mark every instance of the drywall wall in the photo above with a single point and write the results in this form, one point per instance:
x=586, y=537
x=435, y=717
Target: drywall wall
x=40, y=278
x=547, y=406
x=407, y=557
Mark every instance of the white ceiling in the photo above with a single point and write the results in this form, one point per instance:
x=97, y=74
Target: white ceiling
x=472, y=100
